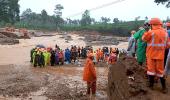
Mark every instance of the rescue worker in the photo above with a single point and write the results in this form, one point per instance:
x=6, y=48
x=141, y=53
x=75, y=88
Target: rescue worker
x=132, y=45
x=141, y=49
x=156, y=39
x=97, y=55
x=94, y=60
x=112, y=57
x=89, y=75
x=167, y=66
x=101, y=55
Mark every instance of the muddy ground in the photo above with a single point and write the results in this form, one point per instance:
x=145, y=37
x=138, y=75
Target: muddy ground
x=55, y=83
x=20, y=81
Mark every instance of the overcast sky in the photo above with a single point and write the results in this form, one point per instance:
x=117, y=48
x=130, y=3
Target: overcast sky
x=125, y=10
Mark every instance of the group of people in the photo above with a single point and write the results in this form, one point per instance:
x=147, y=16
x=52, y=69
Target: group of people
x=42, y=56
x=93, y=57
x=151, y=46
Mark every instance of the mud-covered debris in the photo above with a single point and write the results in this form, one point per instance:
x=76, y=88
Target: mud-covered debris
x=126, y=80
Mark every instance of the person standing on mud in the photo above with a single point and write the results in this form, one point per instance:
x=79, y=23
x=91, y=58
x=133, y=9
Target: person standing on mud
x=157, y=41
x=132, y=45
x=89, y=75
x=167, y=49
x=167, y=57
x=141, y=49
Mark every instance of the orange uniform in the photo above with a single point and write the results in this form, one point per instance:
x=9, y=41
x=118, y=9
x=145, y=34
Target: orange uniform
x=97, y=55
x=112, y=58
x=89, y=73
x=156, y=43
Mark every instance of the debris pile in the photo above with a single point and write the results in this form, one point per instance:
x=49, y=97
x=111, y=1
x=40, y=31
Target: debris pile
x=10, y=36
x=4, y=39
x=126, y=80
x=96, y=38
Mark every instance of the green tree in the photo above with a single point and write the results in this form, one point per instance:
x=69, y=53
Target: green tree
x=26, y=14
x=58, y=14
x=105, y=20
x=14, y=11
x=166, y=2
x=44, y=16
x=9, y=11
x=58, y=10
x=4, y=10
x=86, y=19
x=116, y=20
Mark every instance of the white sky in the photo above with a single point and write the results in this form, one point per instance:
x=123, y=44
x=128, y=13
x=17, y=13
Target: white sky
x=126, y=10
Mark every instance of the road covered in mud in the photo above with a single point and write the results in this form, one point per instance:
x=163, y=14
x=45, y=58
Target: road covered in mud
x=20, y=80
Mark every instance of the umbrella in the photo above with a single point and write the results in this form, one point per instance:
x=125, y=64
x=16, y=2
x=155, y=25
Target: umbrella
x=40, y=46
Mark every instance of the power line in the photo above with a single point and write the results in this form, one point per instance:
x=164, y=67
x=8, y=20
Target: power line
x=96, y=8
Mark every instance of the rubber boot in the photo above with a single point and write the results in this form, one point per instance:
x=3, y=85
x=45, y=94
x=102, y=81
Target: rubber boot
x=151, y=81
x=163, y=83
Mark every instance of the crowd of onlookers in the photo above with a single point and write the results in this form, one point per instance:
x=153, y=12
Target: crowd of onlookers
x=42, y=56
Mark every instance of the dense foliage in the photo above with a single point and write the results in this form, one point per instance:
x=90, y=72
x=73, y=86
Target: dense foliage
x=166, y=2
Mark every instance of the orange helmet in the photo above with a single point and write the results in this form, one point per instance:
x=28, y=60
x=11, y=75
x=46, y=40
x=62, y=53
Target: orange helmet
x=168, y=24
x=155, y=21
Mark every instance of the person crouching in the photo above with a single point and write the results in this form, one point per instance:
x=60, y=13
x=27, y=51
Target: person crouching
x=89, y=75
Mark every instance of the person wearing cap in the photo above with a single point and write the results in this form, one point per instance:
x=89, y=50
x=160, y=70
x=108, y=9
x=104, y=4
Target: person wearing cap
x=132, y=45
x=141, y=45
x=89, y=74
x=157, y=40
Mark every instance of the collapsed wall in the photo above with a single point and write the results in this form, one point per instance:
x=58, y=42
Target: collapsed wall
x=126, y=81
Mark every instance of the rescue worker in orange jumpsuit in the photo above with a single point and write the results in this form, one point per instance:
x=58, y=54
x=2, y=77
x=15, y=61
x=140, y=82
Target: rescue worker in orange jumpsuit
x=113, y=57
x=89, y=74
x=156, y=39
x=97, y=55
